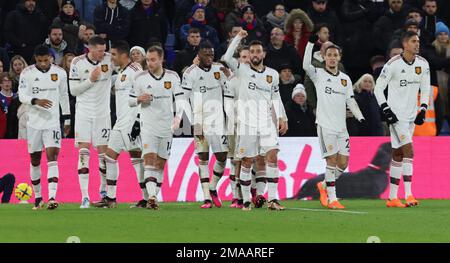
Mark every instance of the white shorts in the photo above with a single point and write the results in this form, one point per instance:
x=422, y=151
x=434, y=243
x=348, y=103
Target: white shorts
x=92, y=130
x=252, y=143
x=332, y=142
x=37, y=139
x=232, y=140
x=154, y=144
x=120, y=140
x=401, y=133
x=218, y=143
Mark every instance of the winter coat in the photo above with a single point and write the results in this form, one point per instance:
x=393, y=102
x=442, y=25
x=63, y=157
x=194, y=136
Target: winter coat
x=207, y=33
x=70, y=26
x=300, y=122
x=287, y=54
x=330, y=18
x=59, y=53
x=270, y=22
x=371, y=111
x=384, y=28
x=115, y=23
x=184, y=59
x=307, y=28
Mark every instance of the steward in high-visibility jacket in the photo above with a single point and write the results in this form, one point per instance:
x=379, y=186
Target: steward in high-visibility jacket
x=429, y=127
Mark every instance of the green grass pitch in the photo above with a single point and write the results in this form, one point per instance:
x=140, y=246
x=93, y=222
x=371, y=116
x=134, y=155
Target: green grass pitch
x=303, y=221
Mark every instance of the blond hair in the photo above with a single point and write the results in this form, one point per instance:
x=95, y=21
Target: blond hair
x=357, y=85
x=11, y=68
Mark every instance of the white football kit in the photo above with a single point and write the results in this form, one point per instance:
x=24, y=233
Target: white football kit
x=43, y=126
x=92, y=114
x=404, y=80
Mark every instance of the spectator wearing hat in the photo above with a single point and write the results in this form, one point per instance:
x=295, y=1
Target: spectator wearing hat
x=198, y=20
x=56, y=43
x=69, y=20
x=184, y=58
x=147, y=24
x=298, y=29
x=301, y=118
x=442, y=47
x=9, y=103
x=275, y=18
x=112, y=21
x=251, y=23
x=279, y=52
x=321, y=13
x=137, y=55
x=288, y=81
x=25, y=28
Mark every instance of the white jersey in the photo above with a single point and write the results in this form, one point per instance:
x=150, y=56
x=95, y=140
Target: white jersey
x=333, y=94
x=204, y=89
x=50, y=85
x=93, y=99
x=123, y=85
x=158, y=115
x=404, y=80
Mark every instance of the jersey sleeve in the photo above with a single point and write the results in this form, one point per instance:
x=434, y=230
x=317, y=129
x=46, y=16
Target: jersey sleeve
x=64, y=96
x=382, y=83
x=277, y=103
x=351, y=102
x=181, y=104
x=307, y=66
x=76, y=85
x=24, y=90
x=228, y=56
x=135, y=92
x=425, y=86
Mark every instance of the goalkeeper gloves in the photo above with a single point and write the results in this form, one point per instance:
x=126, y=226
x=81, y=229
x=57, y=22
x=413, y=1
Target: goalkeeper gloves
x=390, y=116
x=420, y=119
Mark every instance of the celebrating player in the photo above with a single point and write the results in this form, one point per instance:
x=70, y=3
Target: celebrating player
x=44, y=87
x=405, y=74
x=204, y=85
x=154, y=90
x=90, y=82
x=257, y=134
x=120, y=138
x=334, y=91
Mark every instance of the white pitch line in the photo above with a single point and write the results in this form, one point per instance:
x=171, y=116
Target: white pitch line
x=328, y=210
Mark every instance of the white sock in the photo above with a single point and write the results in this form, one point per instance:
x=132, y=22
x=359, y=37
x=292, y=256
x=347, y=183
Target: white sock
x=102, y=168
x=35, y=173
x=112, y=173
x=245, y=182
x=253, y=185
x=260, y=179
x=272, y=181
x=218, y=169
x=407, y=175
x=159, y=180
x=52, y=177
x=151, y=175
x=83, y=172
x=233, y=179
x=204, y=179
x=330, y=179
x=339, y=172
x=138, y=165
x=396, y=173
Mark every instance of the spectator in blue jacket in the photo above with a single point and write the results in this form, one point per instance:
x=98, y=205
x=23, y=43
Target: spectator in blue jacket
x=198, y=20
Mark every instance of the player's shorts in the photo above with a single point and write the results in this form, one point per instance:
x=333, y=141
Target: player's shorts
x=218, y=143
x=48, y=138
x=401, y=133
x=332, y=142
x=232, y=140
x=252, y=143
x=154, y=144
x=120, y=140
x=92, y=130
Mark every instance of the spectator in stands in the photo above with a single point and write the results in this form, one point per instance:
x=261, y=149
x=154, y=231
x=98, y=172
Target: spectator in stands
x=2, y=68
x=376, y=64
x=198, y=21
x=429, y=22
x=262, y=8
x=112, y=21
x=323, y=32
x=50, y=8
x=69, y=20
x=442, y=46
x=252, y=24
x=185, y=57
x=65, y=64
x=234, y=17
x=279, y=52
x=4, y=58
x=298, y=29
x=385, y=26
x=147, y=25
x=85, y=33
x=231, y=32
x=301, y=118
x=16, y=66
x=56, y=43
x=6, y=187
x=364, y=96
x=275, y=18
x=288, y=81
x=321, y=13
x=128, y=4
x=137, y=55
x=9, y=104
x=25, y=28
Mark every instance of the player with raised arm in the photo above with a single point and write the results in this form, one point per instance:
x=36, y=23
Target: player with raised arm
x=90, y=82
x=334, y=91
x=154, y=89
x=43, y=86
x=257, y=133
x=120, y=138
x=203, y=85
x=405, y=74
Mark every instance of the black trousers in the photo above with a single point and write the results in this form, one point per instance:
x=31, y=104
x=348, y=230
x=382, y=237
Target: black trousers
x=7, y=186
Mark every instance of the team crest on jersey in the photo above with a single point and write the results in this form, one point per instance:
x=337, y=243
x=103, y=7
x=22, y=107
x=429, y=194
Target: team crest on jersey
x=418, y=70
x=344, y=82
x=167, y=84
x=217, y=75
x=54, y=77
x=123, y=78
x=105, y=68
x=330, y=147
x=269, y=79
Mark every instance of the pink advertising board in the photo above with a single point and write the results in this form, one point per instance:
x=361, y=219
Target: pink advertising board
x=299, y=160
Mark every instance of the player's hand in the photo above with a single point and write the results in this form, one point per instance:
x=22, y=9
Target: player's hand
x=145, y=98
x=176, y=123
x=420, y=118
x=282, y=127
x=196, y=61
x=135, y=130
x=44, y=103
x=226, y=71
x=390, y=116
x=242, y=33
x=313, y=38
x=66, y=130
x=95, y=74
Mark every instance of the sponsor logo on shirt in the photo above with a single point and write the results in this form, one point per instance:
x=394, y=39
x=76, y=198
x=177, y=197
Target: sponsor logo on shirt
x=403, y=83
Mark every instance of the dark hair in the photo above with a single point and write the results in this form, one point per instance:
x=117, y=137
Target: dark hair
x=229, y=28
x=318, y=27
x=193, y=30
x=91, y=27
x=414, y=10
x=156, y=48
x=205, y=45
x=121, y=46
x=53, y=26
x=256, y=43
x=42, y=50
x=96, y=41
x=407, y=35
x=335, y=47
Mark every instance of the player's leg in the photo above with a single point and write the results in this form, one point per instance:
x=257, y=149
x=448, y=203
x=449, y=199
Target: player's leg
x=247, y=151
x=253, y=184
x=232, y=177
x=138, y=165
x=408, y=156
x=396, y=168
x=83, y=137
x=329, y=149
x=218, y=169
x=202, y=149
x=35, y=144
x=240, y=198
x=272, y=175
x=245, y=181
x=52, y=176
x=260, y=180
x=100, y=138
x=161, y=163
x=163, y=154
x=151, y=175
x=112, y=174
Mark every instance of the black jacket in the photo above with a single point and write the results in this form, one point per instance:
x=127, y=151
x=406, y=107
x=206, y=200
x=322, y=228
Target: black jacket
x=115, y=23
x=184, y=59
x=384, y=28
x=287, y=54
x=371, y=111
x=300, y=123
x=330, y=18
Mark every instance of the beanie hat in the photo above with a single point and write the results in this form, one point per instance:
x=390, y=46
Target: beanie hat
x=68, y=2
x=441, y=27
x=138, y=48
x=246, y=9
x=196, y=7
x=411, y=22
x=299, y=89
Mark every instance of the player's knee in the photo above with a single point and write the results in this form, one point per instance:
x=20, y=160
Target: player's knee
x=332, y=160
x=397, y=155
x=83, y=170
x=272, y=156
x=260, y=162
x=247, y=162
x=221, y=157
x=203, y=156
x=35, y=161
